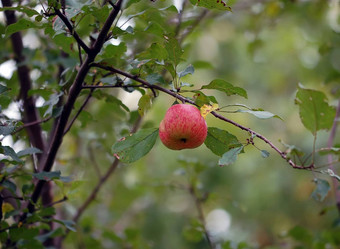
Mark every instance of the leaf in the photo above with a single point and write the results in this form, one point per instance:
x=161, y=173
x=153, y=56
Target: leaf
x=9, y=185
x=28, y=151
x=227, y=88
x=265, y=153
x=206, y=109
x=3, y=89
x=100, y=14
x=292, y=150
x=321, y=190
x=52, y=234
x=212, y=4
x=155, y=78
x=23, y=233
x=202, y=99
x=326, y=151
x=193, y=234
x=22, y=24
x=315, y=113
x=130, y=2
x=202, y=65
x=174, y=50
x=220, y=141
x=188, y=70
x=300, y=234
x=132, y=148
x=6, y=129
x=21, y=8
x=260, y=114
x=144, y=104
x=230, y=156
x=155, y=51
x=53, y=100
x=8, y=151
x=47, y=176
x=114, y=51
x=69, y=224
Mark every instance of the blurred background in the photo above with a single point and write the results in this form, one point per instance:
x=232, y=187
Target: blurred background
x=267, y=47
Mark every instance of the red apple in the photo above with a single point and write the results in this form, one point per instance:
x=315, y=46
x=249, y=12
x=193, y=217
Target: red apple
x=183, y=127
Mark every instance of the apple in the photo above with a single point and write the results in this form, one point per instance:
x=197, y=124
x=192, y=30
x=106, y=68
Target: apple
x=183, y=127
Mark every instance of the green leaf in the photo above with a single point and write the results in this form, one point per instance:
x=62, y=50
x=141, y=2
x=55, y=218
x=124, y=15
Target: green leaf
x=220, y=141
x=292, y=150
x=144, y=104
x=132, y=148
x=8, y=151
x=315, y=113
x=3, y=89
x=22, y=24
x=227, y=88
x=202, y=65
x=9, y=185
x=260, y=114
x=21, y=8
x=193, y=234
x=155, y=78
x=114, y=51
x=29, y=151
x=300, y=234
x=47, y=176
x=116, y=101
x=174, y=50
x=53, y=100
x=100, y=14
x=327, y=151
x=200, y=99
x=52, y=234
x=188, y=70
x=212, y=4
x=157, y=51
x=6, y=129
x=69, y=224
x=321, y=190
x=230, y=156
x=265, y=153
x=23, y=233
x=130, y=2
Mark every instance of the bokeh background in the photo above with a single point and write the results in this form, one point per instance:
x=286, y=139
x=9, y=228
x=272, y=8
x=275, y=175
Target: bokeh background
x=267, y=47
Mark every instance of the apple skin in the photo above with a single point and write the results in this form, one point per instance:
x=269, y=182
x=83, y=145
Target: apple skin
x=183, y=127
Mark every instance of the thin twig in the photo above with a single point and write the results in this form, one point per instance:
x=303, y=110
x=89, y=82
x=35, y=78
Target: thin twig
x=72, y=30
x=198, y=205
x=79, y=111
x=30, y=124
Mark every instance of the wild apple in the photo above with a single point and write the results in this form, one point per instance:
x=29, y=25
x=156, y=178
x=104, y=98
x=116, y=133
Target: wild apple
x=183, y=127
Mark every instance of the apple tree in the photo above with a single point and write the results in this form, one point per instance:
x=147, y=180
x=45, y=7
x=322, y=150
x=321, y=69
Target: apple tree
x=84, y=88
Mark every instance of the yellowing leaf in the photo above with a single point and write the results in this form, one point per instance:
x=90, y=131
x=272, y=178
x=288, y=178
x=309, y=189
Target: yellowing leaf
x=7, y=207
x=206, y=109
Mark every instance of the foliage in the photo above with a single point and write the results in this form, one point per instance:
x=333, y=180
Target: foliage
x=68, y=125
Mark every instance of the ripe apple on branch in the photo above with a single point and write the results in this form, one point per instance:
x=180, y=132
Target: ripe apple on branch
x=183, y=127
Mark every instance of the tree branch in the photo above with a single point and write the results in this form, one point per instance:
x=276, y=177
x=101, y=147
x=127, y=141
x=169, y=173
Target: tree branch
x=186, y=100
x=73, y=94
x=68, y=24
x=30, y=111
x=198, y=205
